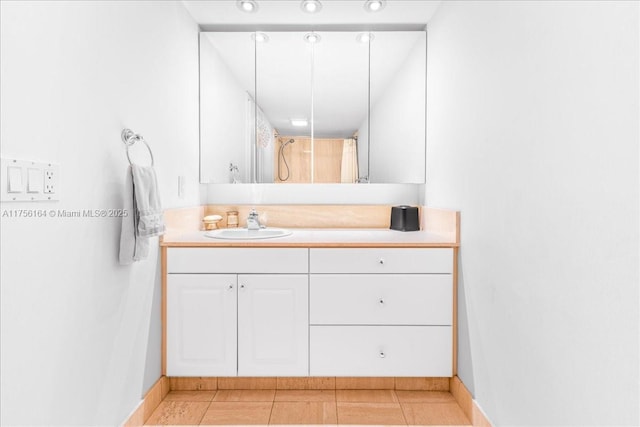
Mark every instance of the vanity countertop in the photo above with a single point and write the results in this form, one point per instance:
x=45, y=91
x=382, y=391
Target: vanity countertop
x=321, y=238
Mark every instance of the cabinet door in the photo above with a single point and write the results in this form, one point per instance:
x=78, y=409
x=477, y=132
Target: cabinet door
x=201, y=324
x=273, y=325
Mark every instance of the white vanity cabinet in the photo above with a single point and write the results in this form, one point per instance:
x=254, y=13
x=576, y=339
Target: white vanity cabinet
x=381, y=312
x=237, y=311
x=319, y=311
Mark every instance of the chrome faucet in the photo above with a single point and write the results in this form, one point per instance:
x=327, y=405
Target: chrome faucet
x=253, y=223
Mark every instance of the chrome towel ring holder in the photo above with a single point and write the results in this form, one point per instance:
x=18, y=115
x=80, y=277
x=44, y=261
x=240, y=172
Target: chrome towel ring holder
x=129, y=138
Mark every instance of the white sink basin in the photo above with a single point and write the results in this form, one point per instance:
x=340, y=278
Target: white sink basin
x=244, y=234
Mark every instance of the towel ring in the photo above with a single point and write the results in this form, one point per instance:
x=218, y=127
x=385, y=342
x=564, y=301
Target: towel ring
x=129, y=138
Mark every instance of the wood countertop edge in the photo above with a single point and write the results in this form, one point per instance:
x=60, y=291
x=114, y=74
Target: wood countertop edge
x=307, y=245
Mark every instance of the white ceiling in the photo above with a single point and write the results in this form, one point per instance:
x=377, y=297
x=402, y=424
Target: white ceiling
x=334, y=12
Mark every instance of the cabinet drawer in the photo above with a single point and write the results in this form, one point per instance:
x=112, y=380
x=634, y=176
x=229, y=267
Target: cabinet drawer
x=381, y=260
x=381, y=351
x=381, y=299
x=237, y=260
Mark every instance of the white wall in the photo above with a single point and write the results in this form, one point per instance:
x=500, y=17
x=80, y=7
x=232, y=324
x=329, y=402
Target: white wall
x=533, y=130
x=80, y=334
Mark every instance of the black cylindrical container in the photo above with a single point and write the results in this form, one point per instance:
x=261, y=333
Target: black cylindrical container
x=405, y=218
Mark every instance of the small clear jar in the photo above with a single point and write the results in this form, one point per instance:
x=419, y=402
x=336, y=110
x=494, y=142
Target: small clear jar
x=232, y=219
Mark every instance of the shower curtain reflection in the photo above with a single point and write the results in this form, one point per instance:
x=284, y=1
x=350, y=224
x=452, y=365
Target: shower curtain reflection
x=335, y=160
x=349, y=169
x=260, y=134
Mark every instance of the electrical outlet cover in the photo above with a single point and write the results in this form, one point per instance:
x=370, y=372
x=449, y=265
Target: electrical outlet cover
x=47, y=190
x=50, y=180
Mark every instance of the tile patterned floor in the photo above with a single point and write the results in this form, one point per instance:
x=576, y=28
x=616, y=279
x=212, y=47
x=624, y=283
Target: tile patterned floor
x=309, y=407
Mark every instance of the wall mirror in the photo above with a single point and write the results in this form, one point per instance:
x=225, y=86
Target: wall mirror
x=313, y=107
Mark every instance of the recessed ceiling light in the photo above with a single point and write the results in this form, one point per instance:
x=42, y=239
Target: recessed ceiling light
x=299, y=122
x=311, y=6
x=374, y=5
x=364, y=37
x=259, y=37
x=312, y=38
x=249, y=6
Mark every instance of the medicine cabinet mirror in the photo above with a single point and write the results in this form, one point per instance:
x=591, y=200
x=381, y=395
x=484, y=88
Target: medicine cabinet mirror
x=312, y=107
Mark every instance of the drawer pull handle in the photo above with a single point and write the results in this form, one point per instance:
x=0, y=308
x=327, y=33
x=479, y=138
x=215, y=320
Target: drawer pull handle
x=382, y=355
x=229, y=287
x=381, y=301
x=242, y=286
x=381, y=261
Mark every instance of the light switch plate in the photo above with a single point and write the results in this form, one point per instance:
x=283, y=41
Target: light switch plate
x=28, y=181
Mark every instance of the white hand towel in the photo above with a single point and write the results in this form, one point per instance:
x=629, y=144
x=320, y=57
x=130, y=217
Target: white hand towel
x=147, y=199
x=132, y=247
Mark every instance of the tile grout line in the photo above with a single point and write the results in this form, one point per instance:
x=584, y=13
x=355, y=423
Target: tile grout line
x=335, y=398
x=271, y=411
x=204, y=414
x=406, y=421
x=404, y=417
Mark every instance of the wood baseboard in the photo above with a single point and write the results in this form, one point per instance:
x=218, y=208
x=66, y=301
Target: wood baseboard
x=149, y=403
x=309, y=383
x=468, y=405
